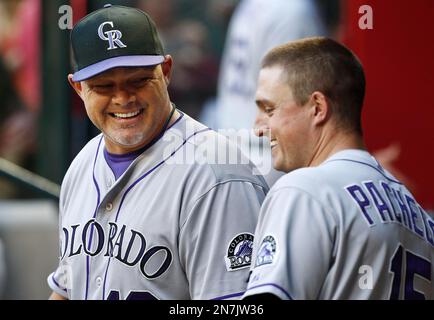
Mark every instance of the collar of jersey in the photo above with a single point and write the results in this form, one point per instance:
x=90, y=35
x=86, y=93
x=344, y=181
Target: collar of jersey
x=359, y=154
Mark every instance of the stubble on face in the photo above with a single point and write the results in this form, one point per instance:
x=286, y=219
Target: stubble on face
x=287, y=122
x=127, y=134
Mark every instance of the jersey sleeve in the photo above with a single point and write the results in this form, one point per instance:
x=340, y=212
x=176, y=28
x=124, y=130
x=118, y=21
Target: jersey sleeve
x=58, y=280
x=217, y=238
x=293, y=249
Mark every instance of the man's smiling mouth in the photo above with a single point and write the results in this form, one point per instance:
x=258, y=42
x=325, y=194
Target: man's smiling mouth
x=126, y=115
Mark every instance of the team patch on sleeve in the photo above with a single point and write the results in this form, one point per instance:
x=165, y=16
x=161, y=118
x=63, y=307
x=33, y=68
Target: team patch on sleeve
x=267, y=251
x=239, y=254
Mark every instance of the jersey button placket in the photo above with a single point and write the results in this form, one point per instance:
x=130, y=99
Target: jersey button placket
x=109, y=184
x=99, y=281
x=109, y=206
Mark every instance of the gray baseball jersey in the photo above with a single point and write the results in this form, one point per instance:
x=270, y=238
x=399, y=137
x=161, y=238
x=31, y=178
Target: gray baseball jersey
x=346, y=229
x=168, y=228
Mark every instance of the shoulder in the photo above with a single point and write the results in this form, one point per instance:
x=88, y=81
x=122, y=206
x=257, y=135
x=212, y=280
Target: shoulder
x=212, y=156
x=88, y=152
x=83, y=160
x=322, y=187
x=328, y=182
x=306, y=179
x=337, y=171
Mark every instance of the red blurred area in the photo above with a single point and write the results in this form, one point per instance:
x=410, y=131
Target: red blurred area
x=79, y=8
x=398, y=56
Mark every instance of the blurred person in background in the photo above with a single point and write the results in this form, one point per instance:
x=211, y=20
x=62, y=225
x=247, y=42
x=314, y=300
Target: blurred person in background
x=19, y=84
x=195, y=72
x=195, y=76
x=19, y=95
x=255, y=27
x=219, y=13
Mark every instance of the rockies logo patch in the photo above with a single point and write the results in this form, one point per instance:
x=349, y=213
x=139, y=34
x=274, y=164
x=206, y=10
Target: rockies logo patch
x=266, y=252
x=239, y=254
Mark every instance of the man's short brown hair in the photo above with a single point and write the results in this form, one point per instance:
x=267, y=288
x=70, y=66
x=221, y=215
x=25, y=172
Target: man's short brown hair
x=322, y=64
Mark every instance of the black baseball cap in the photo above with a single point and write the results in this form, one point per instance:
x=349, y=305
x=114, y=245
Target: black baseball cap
x=114, y=36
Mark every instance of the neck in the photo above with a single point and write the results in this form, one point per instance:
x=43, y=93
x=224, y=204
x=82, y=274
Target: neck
x=333, y=141
x=175, y=117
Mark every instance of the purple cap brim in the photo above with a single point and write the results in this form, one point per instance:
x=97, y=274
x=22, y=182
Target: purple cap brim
x=124, y=61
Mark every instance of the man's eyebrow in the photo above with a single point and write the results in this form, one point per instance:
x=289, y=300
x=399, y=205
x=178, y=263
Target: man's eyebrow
x=261, y=102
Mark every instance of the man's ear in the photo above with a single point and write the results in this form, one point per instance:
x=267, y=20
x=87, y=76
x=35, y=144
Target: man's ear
x=76, y=86
x=167, y=68
x=321, y=110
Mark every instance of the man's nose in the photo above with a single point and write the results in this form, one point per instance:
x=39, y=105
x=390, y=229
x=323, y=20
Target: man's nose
x=122, y=97
x=260, y=126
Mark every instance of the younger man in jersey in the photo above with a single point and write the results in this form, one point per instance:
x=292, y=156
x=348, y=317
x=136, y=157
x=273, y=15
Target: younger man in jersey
x=337, y=226
x=139, y=217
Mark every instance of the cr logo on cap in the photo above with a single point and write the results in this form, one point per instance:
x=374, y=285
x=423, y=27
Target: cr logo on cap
x=112, y=36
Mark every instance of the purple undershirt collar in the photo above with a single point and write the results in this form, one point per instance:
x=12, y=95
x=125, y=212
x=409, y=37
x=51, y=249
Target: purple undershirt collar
x=120, y=162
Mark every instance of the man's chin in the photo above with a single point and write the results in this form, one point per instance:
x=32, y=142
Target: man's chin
x=279, y=166
x=127, y=141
